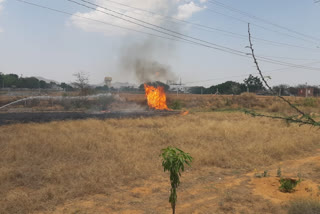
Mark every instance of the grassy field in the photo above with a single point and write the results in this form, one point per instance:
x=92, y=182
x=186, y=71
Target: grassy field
x=196, y=103
x=43, y=166
x=249, y=101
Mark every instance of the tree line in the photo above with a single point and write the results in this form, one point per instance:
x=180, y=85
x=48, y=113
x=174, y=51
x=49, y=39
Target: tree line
x=251, y=84
x=14, y=81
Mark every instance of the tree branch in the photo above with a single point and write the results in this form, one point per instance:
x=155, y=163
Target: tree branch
x=308, y=118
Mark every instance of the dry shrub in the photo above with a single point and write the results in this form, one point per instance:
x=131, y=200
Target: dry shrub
x=209, y=102
x=276, y=107
x=233, y=200
x=43, y=165
x=304, y=206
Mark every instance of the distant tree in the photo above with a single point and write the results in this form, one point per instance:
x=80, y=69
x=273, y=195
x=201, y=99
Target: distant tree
x=82, y=82
x=29, y=82
x=316, y=91
x=293, y=91
x=66, y=87
x=1, y=80
x=238, y=88
x=128, y=88
x=198, y=90
x=282, y=89
x=11, y=80
x=43, y=84
x=253, y=83
x=230, y=87
x=102, y=88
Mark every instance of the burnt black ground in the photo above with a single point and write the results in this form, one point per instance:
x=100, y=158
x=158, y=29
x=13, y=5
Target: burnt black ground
x=43, y=117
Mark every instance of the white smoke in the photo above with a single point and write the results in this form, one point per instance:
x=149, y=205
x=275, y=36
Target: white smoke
x=177, y=8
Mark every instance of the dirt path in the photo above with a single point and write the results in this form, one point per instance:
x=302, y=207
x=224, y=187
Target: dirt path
x=209, y=190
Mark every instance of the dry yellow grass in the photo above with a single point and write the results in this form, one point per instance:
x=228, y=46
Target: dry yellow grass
x=250, y=101
x=43, y=165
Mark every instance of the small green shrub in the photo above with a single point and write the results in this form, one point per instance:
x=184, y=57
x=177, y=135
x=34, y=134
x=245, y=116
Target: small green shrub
x=262, y=175
x=310, y=102
x=176, y=105
x=173, y=160
x=304, y=206
x=288, y=184
x=279, y=172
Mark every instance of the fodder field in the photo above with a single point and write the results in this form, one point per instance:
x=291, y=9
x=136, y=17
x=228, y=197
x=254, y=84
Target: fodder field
x=191, y=102
x=234, y=102
x=46, y=166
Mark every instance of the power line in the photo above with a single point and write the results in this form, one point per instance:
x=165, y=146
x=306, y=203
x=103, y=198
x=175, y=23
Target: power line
x=99, y=21
x=256, y=25
x=245, y=75
x=190, y=41
x=215, y=2
x=220, y=47
x=209, y=28
x=154, y=28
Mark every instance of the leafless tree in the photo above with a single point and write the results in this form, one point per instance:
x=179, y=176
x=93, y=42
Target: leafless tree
x=302, y=119
x=81, y=82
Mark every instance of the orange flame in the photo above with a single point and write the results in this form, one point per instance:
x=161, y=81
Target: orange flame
x=156, y=97
x=185, y=113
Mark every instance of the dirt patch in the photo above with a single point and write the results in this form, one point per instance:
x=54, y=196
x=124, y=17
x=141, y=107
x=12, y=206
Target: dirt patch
x=210, y=190
x=268, y=188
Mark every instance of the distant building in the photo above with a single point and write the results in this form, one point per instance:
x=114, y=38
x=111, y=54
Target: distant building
x=306, y=92
x=174, y=86
x=119, y=85
x=177, y=87
x=107, y=81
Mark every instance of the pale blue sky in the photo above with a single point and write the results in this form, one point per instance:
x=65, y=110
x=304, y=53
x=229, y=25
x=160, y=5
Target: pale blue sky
x=38, y=42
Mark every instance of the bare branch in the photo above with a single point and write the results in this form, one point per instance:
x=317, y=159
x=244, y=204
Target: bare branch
x=308, y=118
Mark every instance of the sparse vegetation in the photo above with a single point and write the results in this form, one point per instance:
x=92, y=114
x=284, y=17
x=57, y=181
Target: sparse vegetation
x=279, y=172
x=173, y=161
x=310, y=102
x=44, y=165
x=304, y=206
x=288, y=184
x=176, y=105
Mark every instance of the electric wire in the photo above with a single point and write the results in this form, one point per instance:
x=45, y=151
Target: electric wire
x=207, y=28
x=215, y=2
x=181, y=36
x=245, y=75
x=193, y=42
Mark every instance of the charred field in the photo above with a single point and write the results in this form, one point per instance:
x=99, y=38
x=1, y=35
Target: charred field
x=113, y=165
x=43, y=117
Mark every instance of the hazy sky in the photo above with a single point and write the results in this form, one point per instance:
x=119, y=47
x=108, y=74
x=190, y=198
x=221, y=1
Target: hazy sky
x=39, y=42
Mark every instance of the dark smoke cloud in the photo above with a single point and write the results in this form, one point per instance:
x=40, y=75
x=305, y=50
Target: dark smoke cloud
x=149, y=71
x=145, y=61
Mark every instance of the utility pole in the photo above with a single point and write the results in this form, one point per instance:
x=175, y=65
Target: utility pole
x=217, y=92
x=306, y=89
x=39, y=86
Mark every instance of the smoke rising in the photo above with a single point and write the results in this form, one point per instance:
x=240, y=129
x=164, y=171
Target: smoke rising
x=146, y=61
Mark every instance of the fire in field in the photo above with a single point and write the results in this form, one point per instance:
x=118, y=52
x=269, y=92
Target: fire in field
x=125, y=111
x=156, y=97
